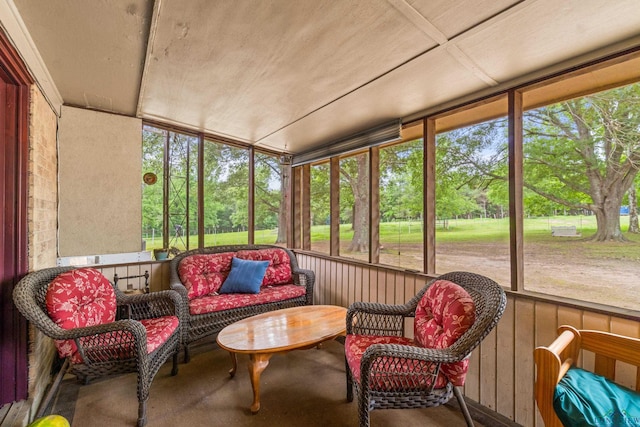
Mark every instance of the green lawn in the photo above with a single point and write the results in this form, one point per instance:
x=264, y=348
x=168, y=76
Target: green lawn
x=479, y=230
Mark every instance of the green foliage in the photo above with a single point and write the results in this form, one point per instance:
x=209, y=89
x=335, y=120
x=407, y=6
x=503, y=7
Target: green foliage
x=471, y=169
x=401, y=181
x=320, y=194
x=226, y=186
x=585, y=153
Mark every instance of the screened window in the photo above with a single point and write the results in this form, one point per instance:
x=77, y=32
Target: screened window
x=320, y=208
x=472, y=198
x=178, y=188
x=581, y=162
x=270, y=207
x=226, y=194
x=401, y=199
x=153, y=147
x=354, y=206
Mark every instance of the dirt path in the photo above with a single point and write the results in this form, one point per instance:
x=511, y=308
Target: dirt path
x=567, y=272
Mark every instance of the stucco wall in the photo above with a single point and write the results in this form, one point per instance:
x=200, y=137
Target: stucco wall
x=99, y=183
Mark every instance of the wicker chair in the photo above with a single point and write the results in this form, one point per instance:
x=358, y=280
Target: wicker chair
x=197, y=326
x=402, y=374
x=116, y=347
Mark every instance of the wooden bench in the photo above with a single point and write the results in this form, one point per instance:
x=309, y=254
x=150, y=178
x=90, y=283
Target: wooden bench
x=565, y=231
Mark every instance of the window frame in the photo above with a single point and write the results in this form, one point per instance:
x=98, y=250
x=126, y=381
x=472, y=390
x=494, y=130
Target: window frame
x=204, y=138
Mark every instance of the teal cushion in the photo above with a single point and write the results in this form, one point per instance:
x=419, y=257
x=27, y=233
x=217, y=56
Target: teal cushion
x=245, y=277
x=583, y=398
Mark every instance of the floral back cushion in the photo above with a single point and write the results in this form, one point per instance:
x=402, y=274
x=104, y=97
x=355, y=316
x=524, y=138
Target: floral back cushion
x=204, y=274
x=82, y=297
x=77, y=298
x=445, y=312
x=279, y=269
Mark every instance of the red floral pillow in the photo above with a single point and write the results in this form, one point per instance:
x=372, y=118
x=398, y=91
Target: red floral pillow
x=77, y=298
x=279, y=269
x=445, y=312
x=82, y=297
x=204, y=274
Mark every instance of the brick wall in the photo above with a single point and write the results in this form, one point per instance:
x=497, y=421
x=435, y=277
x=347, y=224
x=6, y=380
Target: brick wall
x=42, y=222
x=43, y=183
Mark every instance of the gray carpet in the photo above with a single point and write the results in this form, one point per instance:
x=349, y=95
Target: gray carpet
x=300, y=388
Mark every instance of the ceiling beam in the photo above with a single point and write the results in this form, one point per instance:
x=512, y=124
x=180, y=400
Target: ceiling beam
x=419, y=21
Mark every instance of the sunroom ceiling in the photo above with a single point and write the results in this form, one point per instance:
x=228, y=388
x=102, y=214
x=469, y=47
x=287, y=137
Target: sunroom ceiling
x=295, y=74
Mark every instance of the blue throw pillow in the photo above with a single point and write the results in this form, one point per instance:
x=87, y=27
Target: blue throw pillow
x=245, y=277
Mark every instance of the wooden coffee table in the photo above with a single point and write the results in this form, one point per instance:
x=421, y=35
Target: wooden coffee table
x=279, y=331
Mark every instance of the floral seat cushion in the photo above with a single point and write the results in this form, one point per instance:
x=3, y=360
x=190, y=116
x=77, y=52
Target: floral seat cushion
x=84, y=297
x=443, y=314
x=213, y=303
x=388, y=373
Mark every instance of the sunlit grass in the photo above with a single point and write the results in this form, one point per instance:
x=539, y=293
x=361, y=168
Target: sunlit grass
x=478, y=230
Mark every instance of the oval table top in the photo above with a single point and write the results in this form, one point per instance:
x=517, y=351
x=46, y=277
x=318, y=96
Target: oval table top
x=283, y=330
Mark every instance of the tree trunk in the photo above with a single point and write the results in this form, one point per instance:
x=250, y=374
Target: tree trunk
x=608, y=220
x=360, y=241
x=633, y=210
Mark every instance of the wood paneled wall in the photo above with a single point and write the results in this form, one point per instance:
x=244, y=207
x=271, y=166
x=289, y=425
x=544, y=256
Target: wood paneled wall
x=502, y=372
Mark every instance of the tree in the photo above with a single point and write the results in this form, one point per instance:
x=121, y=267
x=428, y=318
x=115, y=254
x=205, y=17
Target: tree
x=320, y=194
x=588, y=152
x=401, y=181
x=355, y=174
x=271, y=184
x=471, y=169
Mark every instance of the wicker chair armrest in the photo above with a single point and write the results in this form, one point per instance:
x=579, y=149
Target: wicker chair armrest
x=377, y=319
x=154, y=304
x=178, y=287
x=129, y=325
x=410, y=352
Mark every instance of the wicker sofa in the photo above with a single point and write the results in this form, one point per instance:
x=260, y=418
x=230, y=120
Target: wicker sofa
x=197, y=275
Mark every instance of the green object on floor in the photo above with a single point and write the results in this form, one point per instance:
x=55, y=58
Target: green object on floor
x=50, y=421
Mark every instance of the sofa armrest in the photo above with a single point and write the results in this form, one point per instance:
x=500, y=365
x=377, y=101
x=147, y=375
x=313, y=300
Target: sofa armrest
x=306, y=278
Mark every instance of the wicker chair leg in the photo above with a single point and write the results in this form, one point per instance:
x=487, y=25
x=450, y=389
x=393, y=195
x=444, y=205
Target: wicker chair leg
x=363, y=408
x=187, y=356
x=463, y=406
x=174, y=369
x=349, y=382
x=142, y=413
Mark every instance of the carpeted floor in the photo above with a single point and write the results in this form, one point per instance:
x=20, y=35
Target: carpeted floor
x=300, y=388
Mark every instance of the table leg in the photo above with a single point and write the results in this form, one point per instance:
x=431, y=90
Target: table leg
x=257, y=364
x=234, y=364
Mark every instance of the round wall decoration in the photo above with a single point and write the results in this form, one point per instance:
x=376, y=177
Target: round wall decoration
x=149, y=178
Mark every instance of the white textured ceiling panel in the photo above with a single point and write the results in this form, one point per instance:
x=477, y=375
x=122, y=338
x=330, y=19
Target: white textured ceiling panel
x=94, y=50
x=538, y=34
x=295, y=74
x=453, y=17
x=428, y=81
x=249, y=68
